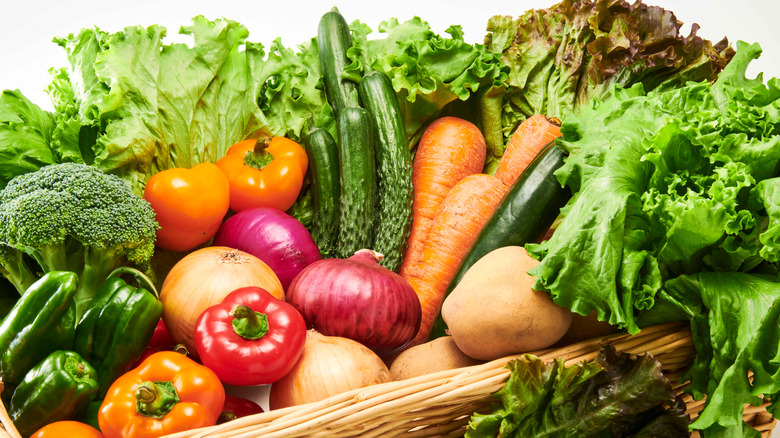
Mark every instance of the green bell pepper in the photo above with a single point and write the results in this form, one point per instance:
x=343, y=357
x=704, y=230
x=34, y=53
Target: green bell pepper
x=117, y=325
x=54, y=390
x=89, y=415
x=42, y=321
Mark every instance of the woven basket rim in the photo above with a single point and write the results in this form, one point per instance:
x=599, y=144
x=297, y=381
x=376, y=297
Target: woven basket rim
x=447, y=396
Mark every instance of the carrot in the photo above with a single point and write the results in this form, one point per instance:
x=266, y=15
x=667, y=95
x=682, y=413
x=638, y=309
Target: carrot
x=463, y=214
x=528, y=139
x=449, y=150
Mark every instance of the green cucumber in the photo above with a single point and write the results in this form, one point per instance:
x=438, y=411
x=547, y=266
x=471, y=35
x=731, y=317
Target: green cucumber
x=525, y=213
x=394, y=169
x=333, y=41
x=325, y=189
x=358, y=181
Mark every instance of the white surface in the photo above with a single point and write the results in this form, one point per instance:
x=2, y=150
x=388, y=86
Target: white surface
x=27, y=53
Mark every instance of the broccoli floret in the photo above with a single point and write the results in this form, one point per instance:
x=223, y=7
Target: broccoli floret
x=74, y=217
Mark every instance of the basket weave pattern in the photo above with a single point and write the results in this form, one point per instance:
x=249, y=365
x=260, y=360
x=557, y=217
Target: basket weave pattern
x=440, y=404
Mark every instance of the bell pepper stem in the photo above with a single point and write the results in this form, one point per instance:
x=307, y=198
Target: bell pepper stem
x=224, y=417
x=75, y=367
x=155, y=399
x=259, y=157
x=247, y=323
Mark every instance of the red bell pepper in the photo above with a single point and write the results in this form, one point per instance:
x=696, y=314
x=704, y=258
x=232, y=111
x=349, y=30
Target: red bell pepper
x=237, y=407
x=161, y=341
x=250, y=337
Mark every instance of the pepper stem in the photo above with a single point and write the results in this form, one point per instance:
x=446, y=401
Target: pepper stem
x=224, y=417
x=259, y=157
x=249, y=324
x=155, y=399
x=75, y=367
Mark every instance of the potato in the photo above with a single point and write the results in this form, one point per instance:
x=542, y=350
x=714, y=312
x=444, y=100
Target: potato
x=495, y=312
x=436, y=355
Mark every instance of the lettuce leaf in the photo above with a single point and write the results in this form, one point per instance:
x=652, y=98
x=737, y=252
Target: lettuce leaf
x=560, y=58
x=614, y=396
x=136, y=105
x=661, y=184
x=669, y=186
x=734, y=320
x=429, y=71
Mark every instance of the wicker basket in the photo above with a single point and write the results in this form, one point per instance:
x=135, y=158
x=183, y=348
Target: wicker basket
x=440, y=404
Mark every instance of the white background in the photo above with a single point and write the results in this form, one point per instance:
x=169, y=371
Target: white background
x=27, y=27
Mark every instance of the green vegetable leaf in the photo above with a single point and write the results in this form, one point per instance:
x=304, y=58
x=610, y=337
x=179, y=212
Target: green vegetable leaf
x=560, y=58
x=25, y=134
x=673, y=187
x=734, y=320
x=134, y=105
x=428, y=71
x=613, y=396
x=661, y=183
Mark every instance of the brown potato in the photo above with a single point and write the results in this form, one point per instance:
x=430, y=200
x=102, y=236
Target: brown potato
x=495, y=312
x=436, y=355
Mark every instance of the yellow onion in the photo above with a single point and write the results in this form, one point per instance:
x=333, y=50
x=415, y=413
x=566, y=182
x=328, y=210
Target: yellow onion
x=330, y=365
x=203, y=278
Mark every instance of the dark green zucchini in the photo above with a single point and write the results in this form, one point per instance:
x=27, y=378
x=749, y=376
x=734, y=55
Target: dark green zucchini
x=394, y=168
x=333, y=41
x=523, y=216
x=325, y=189
x=358, y=181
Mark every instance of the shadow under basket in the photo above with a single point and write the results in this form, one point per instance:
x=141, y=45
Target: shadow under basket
x=440, y=404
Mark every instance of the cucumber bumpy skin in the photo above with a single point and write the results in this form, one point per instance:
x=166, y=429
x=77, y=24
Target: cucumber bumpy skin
x=326, y=189
x=358, y=181
x=394, y=169
x=333, y=41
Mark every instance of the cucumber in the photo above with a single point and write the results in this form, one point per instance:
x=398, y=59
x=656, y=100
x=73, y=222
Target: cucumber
x=394, y=169
x=525, y=213
x=325, y=189
x=358, y=181
x=333, y=41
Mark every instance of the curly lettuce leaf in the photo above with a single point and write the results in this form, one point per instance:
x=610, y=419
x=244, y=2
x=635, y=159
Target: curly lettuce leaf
x=661, y=183
x=560, y=58
x=428, y=71
x=671, y=185
x=614, y=396
x=734, y=320
x=135, y=105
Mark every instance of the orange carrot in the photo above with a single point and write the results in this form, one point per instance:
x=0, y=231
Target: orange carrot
x=463, y=214
x=449, y=150
x=528, y=139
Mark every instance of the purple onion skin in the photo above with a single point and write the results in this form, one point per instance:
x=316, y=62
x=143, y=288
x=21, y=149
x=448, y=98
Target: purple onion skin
x=357, y=298
x=274, y=237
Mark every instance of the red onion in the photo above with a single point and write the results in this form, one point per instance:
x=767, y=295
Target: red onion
x=274, y=237
x=356, y=298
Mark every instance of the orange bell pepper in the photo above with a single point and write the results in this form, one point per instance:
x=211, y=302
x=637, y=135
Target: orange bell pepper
x=190, y=205
x=167, y=393
x=67, y=428
x=264, y=173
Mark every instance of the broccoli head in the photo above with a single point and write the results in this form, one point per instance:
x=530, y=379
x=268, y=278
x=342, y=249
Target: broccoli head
x=73, y=217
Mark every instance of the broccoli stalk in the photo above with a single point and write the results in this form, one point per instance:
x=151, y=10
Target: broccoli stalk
x=14, y=267
x=73, y=217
